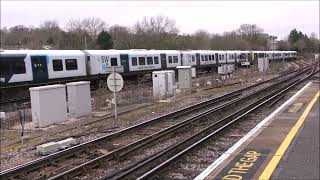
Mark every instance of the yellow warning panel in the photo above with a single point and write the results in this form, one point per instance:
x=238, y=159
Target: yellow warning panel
x=244, y=166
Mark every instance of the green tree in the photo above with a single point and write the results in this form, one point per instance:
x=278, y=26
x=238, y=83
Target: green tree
x=293, y=36
x=104, y=40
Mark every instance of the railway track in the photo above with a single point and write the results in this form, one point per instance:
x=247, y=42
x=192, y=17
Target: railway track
x=151, y=152
x=14, y=103
x=152, y=168
x=73, y=160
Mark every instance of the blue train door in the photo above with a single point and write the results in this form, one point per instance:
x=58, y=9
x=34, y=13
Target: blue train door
x=125, y=62
x=163, y=58
x=39, y=68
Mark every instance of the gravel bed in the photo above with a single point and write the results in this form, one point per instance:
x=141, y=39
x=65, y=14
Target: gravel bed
x=192, y=164
x=13, y=158
x=161, y=145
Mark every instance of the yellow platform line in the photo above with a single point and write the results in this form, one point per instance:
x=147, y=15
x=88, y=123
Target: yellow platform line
x=266, y=174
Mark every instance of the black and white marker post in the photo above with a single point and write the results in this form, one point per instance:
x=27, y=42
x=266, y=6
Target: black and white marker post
x=115, y=84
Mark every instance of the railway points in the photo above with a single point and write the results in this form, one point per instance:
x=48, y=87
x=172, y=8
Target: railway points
x=285, y=145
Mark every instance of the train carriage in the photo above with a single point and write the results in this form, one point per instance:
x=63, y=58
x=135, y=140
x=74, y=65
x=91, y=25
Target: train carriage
x=188, y=58
x=41, y=66
x=222, y=57
x=98, y=61
x=18, y=66
x=207, y=58
x=170, y=59
x=15, y=66
x=231, y=57
x=142, y=61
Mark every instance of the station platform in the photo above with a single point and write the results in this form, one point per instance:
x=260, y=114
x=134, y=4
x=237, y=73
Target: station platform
x=285, y=145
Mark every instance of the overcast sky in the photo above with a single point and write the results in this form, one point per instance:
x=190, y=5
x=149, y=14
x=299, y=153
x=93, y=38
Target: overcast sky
x=275, y=17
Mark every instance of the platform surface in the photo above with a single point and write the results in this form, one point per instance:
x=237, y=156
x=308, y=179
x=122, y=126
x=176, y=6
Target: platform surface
x=283, y=146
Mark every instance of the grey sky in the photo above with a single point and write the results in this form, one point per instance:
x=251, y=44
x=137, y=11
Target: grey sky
x=275, y=17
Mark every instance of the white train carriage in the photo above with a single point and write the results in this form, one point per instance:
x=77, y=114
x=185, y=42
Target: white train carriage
x=207, y=58
x=170, y=59
x=98, y=61
x=242, y=57
x=237, y=57
x=18, y=66
x=293, y=54
x=222, y=57
x=142, y=61
x=231, y=57
x=132, y=61
x=188, y=58
x=15, y=66
x=60, y=63
x=276, y=55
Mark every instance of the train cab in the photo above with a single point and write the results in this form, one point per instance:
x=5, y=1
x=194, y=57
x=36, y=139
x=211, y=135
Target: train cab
x=15, y=67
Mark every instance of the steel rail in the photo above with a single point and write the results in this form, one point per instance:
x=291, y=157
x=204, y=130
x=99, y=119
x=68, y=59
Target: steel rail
x=48, y=159
x=235, y=117
x=133, y=146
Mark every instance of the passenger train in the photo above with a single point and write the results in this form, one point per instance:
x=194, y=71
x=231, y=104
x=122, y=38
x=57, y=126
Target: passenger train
x=36, y=66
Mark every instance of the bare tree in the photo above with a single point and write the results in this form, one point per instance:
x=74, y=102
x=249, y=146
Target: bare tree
x=156, y=32
x=249, y=30
x=93, y=26
x=122, y=37
x=50, y=25
x=201, y=39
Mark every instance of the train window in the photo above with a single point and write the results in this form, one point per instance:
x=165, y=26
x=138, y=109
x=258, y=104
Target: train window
x=12, y=65
x=71, y=64
x=142, y=61
x=261, y=55
x=156, y=60
x=222, y=56
x=149, y=60
x=210, y=58
x=202, y=58
x=219, y=56
x=175, y=59
x=4, y=67
x=114, y=61
x=57, y=65
x=19, y=67
x=170, y=59
x=134, y=61
x=206, y=58
x=193, y=58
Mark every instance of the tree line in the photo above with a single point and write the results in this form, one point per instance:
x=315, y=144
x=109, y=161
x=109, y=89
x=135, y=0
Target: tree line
x=158, y=32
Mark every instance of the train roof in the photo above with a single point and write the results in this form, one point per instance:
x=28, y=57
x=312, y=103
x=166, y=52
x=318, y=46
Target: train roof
x=44, y=52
